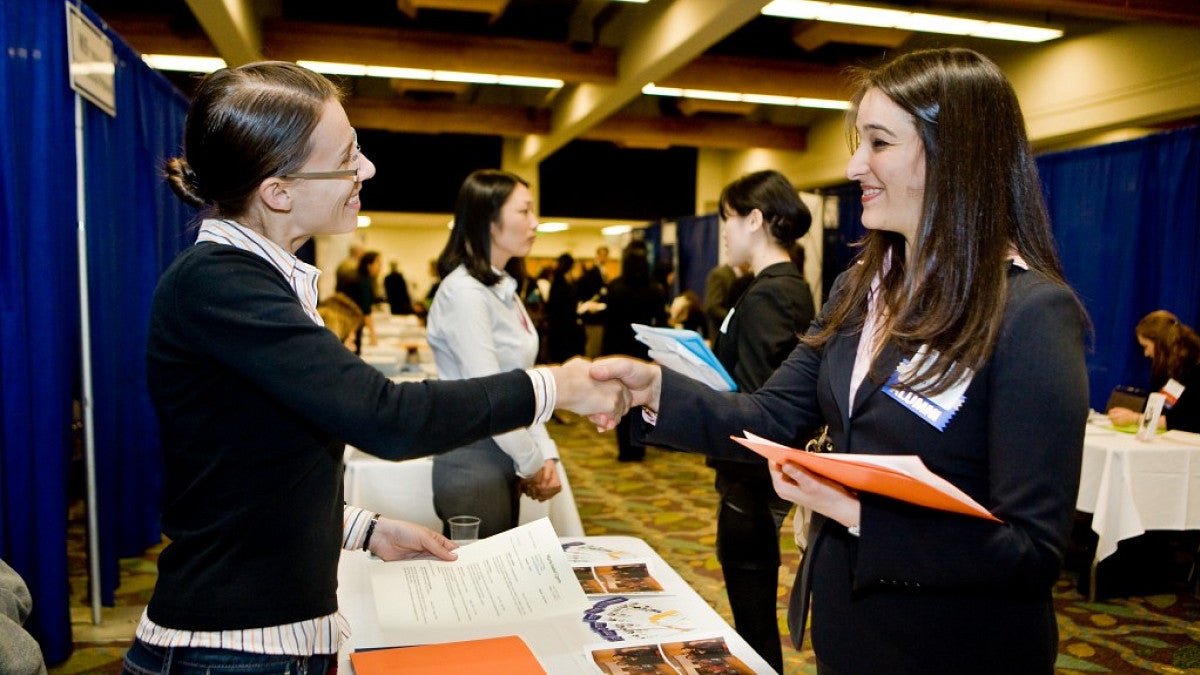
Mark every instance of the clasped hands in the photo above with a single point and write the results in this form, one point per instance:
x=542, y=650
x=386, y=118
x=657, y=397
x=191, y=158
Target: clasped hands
x=606, y=389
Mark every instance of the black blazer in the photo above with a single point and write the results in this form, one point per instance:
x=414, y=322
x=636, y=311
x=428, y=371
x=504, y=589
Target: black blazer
x=926, y=591
x=766, y=323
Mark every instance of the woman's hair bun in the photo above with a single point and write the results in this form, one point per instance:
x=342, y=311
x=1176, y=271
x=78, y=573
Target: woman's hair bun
x=184, y=182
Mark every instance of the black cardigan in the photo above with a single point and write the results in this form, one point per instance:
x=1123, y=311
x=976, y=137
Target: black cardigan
x=254, y=401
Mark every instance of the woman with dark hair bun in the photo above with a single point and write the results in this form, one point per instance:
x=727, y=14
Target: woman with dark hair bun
x=761, y=219
x=256, y=398
x=1174, y=352
x=953, y=337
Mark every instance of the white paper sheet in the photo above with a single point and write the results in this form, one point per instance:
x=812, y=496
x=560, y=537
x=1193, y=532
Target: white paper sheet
x=516, y=575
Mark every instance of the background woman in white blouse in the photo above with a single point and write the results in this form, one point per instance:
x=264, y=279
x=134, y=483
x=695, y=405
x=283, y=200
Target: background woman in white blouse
x=478, y=326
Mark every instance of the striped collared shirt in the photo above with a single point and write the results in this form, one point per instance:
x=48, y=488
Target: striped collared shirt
x=322, y=635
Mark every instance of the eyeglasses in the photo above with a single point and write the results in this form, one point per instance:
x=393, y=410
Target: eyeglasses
x=328, y=175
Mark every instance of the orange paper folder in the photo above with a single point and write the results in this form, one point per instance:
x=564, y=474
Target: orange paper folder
x=903, y=477
x=507, y=655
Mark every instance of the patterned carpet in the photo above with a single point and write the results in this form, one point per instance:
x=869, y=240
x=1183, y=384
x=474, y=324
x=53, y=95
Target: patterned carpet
x=669, y=501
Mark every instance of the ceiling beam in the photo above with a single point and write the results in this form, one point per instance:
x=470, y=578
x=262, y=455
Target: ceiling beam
x=493, y=8
x=233, y=27
x=760, y=76
x=292, y=40
x=671, y=34
x=812, y=35
x=296, y=40
x=513, y=121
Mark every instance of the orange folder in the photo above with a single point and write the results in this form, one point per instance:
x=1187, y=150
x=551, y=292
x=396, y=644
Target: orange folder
x=507, y=655
x=903, y=477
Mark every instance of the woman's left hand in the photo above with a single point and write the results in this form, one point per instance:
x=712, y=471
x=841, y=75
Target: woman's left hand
x=402, y=540
x=819, y=494
x=545, y=484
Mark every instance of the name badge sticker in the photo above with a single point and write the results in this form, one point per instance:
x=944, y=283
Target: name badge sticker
x=936, y=410
x=1172, y=390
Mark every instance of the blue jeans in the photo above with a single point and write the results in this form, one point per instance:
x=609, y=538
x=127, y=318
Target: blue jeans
x=144, y=659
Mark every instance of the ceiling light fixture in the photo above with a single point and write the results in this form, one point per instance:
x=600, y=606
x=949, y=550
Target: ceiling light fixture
x=207, y=64
x=616, y=230
x=915, y=21
x=184, y=64
x=764, y=99
x=363, y=70
x=553, y=227
x=364, y=221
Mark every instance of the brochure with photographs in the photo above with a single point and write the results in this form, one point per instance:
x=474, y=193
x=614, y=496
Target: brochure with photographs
x=701, y=656
x=639, y=619
x=625, y=578
x=580, y=554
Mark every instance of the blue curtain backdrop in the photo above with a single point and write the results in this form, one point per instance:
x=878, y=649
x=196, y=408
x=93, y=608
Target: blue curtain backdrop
x=39, y=320
x=1127, y=220
x=699, y=240
x=135, y=227
x=1126, y=217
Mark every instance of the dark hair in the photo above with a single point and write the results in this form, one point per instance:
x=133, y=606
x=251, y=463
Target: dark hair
x=563, y=267
x=982, y=199
x=1176, y=346
x=784, y=214
x=480, y=199
x=244, y=125
x=364, y=264
x=635, y=264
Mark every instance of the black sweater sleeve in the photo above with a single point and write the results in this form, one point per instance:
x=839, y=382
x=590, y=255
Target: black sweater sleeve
x=230, y=310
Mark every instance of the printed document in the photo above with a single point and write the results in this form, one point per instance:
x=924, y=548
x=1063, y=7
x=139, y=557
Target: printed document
x=513, y=576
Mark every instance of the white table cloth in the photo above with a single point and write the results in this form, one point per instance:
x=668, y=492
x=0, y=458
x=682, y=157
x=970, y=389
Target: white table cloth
x=1131, y=486
x=405, y=490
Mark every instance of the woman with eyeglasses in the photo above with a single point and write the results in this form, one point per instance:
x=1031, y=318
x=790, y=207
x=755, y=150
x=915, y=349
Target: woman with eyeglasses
x=255, y=397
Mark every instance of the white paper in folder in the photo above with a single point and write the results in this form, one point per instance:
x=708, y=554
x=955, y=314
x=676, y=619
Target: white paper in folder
x=684, y=351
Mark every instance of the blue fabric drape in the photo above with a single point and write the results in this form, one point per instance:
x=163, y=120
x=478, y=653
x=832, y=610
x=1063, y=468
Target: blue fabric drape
x=134, y=229
x=39, y=319
x=699, y=240
x=1127, y=220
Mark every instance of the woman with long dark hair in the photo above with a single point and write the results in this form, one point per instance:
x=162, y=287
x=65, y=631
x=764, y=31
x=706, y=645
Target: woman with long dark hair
x=478, y=326
x=953, y=337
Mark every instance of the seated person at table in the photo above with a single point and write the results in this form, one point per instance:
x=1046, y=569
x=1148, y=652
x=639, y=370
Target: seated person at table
x=477, y=326
x=1174, y=352
x=342, y=316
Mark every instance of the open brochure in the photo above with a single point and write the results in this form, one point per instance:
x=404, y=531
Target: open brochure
x=903, y=477
x=684, y=351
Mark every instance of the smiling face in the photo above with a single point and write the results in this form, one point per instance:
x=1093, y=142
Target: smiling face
x=515, y=227
x=889, y=164
x=331, y=205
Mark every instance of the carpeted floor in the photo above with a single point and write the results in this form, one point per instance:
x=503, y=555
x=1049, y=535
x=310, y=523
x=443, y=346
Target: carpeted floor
x=669, y=501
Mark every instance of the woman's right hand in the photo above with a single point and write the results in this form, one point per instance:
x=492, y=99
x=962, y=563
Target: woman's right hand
x=583, y=395
x=1121, y=417
x=642, y=379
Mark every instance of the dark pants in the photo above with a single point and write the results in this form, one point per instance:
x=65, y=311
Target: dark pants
x=144, y=659
x=477, y=480
x=749, y=518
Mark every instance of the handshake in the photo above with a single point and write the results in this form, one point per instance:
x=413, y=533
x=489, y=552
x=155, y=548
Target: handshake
x=606, y=389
